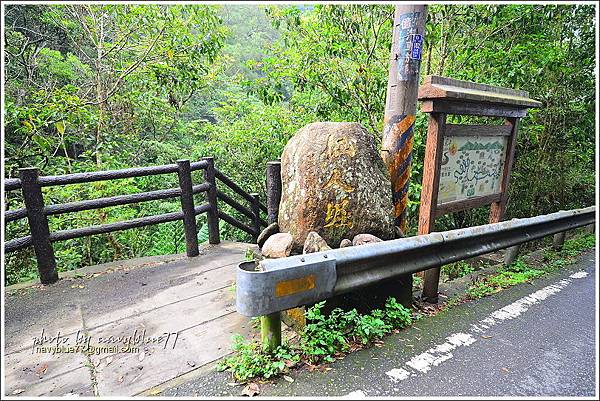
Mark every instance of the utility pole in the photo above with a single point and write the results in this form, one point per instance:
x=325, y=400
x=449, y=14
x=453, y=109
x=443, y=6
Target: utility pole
x=401, y=102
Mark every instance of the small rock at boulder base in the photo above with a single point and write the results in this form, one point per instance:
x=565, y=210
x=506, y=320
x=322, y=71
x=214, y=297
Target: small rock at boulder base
x=314, y=243
x=362, y=239
x=335, y=183
x=277, y=246
x=345, y=243
x=271, y=229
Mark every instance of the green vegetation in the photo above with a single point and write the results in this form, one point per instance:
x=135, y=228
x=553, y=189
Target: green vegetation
x=95, y=87
x=417, y=281
x=249, y=255
x=250, y=361
x=521, y=272
x=457, y=269
x=518, y=272
x=574, y=246
x=323, y=338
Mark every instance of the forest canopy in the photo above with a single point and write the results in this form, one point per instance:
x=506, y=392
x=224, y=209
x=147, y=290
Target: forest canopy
x=98, y=87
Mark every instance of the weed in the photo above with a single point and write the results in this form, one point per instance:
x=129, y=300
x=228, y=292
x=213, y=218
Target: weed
x=549, y=254
x=518, y=272
x=249, y=255
x=457, y=269
x=556, y=264
x=576, y=245
x=454, y=301
x=371, y=327
x=323, y=337
x=518, y=266
x=396, y=314
x=249, y=361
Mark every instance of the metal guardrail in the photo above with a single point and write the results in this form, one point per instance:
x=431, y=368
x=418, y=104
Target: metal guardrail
x=286, y=283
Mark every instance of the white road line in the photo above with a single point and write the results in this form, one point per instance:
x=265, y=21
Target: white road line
x=398, y=374
x=440, y=353
x=580, y=274
x=425, y=361
x=356, y=394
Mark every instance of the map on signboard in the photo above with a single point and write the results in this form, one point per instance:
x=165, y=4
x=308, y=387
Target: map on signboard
x=471, y=166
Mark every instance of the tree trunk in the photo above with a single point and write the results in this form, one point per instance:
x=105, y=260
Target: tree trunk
x=401, y=101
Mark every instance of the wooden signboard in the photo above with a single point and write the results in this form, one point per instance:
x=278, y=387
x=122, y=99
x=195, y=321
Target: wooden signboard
x=467, y=166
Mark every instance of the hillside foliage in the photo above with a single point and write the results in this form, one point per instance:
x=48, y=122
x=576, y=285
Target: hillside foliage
x=96, y=87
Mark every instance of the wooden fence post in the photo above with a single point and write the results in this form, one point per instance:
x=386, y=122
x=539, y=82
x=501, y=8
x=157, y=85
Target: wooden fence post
x=38, y=225
x=429, y=196
x=273, y=190
x=211, y=197
x=187, y=206
x=270, y=325
x=497, y=209
x=256, y=217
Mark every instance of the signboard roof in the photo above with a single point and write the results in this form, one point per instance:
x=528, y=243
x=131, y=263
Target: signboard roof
x=437, y=88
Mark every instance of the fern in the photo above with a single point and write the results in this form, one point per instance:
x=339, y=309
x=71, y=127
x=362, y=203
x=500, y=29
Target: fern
x=203, y=234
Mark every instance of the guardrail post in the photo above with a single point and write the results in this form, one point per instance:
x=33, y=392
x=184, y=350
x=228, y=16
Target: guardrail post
x=211, y=196
x=270, y=325
x=589, y=229
x=431, y=280
x=558, y=240
x=256, y=217
x=38, y=225
x=273, y=190
x=187, y=206
x=511, y=254
x=270, y=331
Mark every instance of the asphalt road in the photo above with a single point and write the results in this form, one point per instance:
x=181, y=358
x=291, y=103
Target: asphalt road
x=536, y=339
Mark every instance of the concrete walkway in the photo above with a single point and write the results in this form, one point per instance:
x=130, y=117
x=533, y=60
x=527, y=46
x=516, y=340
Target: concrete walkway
x=150, y=320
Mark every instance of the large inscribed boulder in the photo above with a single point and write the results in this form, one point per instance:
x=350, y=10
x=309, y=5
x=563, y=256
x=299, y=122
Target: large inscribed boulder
x=334, y=183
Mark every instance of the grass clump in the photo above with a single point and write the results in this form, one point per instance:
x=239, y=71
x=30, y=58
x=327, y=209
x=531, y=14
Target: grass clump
x=576, y=245
x=520, y=272
x=457, y=269
x=516, y=273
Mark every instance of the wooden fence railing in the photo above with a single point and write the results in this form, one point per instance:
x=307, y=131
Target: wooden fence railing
x=36, y=212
